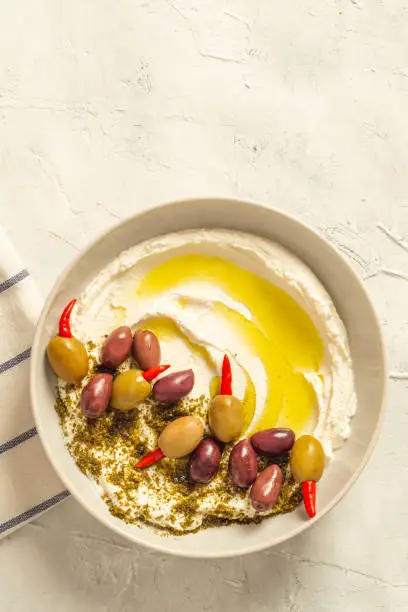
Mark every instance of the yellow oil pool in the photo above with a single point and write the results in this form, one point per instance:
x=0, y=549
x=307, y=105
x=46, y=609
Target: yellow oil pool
x=280, y=333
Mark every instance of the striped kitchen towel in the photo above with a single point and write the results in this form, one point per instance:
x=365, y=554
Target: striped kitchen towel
x=28, y=484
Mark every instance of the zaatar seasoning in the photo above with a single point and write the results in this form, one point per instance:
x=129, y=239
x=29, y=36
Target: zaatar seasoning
x=107, y=449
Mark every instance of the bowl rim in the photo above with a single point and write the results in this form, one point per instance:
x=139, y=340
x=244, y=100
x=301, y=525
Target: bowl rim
x=158, y=547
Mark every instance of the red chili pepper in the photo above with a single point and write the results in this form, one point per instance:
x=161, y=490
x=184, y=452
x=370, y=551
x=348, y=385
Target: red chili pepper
x=226, y=377
x=154, y=372
x=150, y=458
x=309, y=497
x=65, y=320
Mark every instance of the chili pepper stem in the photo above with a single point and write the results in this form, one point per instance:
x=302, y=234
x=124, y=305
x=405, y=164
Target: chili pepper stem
x=154, y=372
x=309, y=497
x=226, y=377
x=150, y=458
x=65, y=320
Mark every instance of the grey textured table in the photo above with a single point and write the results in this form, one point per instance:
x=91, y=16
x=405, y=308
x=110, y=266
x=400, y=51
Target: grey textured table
x=109, y=107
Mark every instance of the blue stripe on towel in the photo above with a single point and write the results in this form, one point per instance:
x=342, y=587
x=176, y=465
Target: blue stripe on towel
x=23, y=437
x=15, y=360
x=32, y=512
x=13, y=280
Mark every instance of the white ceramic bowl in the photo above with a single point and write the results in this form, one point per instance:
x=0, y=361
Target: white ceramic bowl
x=353, y=305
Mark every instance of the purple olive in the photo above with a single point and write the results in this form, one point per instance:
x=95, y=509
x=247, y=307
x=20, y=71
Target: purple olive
x=95, y=395
x=146, y=349
x=172, y=388
x=266, y=488
x=273, y=442
x=116, y=347
x=243, y=466
x=205, y=460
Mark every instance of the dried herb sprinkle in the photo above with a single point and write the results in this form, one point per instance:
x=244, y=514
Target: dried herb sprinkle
x=107, y=449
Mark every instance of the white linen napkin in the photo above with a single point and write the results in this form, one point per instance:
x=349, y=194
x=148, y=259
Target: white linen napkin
x=28, y=484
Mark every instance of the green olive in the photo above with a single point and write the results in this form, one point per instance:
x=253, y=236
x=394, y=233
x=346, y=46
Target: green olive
x=68, y=358
x=226, y=417
x=128, y=390
x=307, y=459
x=181, y=437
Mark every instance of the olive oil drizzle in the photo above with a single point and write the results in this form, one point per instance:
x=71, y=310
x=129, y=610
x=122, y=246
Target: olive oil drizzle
x=280, y=333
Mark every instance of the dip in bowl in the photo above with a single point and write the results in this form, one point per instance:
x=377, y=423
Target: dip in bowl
x=215, y=277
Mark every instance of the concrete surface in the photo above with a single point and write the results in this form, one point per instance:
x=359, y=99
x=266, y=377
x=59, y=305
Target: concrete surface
x=108, y=107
